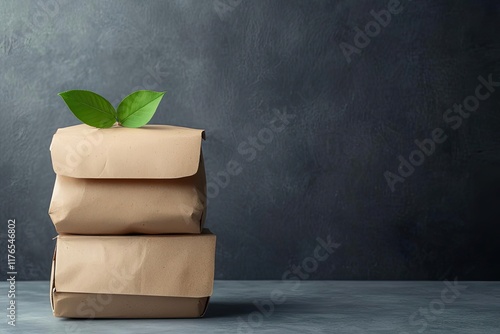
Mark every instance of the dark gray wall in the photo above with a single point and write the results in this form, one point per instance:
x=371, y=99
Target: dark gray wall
x=229, y=70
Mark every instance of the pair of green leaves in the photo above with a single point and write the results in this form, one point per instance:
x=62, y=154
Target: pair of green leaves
x=134, y=111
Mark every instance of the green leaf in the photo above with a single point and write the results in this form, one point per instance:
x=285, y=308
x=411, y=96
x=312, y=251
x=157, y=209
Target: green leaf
x=90, y=108
x=138, y=108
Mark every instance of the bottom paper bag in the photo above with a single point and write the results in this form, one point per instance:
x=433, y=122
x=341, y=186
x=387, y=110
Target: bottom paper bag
x=139, y=276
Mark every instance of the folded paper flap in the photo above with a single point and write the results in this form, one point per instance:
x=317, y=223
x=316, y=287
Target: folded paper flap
x=173, y=265
x=152, y=151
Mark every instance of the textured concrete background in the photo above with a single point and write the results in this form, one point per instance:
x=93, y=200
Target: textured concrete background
x=230, y=67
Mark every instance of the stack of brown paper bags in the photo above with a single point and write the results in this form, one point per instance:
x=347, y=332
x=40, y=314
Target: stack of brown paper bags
x=129, y=206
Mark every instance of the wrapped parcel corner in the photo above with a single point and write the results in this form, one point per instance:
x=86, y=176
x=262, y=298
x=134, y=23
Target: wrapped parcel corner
x=149, y=180
x=140, y=276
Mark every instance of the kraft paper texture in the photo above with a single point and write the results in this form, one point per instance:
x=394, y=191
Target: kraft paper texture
x=149, y=180
x=132, y=276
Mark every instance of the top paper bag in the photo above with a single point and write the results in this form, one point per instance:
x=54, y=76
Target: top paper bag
x=149, y=152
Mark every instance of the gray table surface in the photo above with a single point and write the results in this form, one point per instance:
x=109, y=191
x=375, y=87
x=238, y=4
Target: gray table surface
x=298, y=307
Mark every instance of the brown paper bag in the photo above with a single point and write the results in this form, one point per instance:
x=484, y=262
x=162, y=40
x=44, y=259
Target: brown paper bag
x=140, y=276
x=149, y=180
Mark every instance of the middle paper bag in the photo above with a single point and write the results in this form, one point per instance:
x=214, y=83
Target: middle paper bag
x=149, y=180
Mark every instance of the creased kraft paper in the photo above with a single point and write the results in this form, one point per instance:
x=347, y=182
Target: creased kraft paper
x=149, y=180
x=128, y=273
